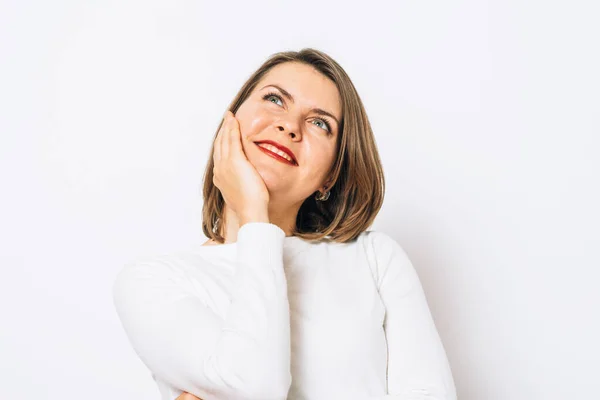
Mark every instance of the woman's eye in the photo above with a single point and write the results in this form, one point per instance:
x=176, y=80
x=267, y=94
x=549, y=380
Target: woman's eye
x=273, y=96
x=324, y=124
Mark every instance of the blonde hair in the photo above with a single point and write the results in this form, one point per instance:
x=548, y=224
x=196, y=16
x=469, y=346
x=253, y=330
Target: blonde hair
x=358, y=184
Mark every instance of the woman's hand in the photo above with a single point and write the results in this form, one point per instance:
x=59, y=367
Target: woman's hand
x=187, y=396
x=242, y=187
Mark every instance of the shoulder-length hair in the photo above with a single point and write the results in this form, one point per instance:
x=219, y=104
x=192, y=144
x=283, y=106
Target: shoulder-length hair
x=358, y=184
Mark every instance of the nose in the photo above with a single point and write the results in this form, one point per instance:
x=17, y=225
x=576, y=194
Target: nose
x=291, y=127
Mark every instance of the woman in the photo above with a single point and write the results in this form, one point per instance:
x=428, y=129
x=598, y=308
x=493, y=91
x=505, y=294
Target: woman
x=291, y=296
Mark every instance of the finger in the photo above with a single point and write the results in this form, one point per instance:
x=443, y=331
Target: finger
x=235, y=138
x=222, y=134
x=187, y=396
x=217, y=143
x=225, y=134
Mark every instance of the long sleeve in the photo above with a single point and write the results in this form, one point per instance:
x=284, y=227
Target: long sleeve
x=418, y=368
x=246, y=356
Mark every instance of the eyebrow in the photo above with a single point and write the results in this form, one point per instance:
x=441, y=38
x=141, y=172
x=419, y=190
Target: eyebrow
x=319, y=111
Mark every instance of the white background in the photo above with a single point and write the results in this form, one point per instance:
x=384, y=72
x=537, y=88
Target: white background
x=486, y=115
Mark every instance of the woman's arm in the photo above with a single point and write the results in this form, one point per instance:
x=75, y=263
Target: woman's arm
x=245, y=356
x=418, y=367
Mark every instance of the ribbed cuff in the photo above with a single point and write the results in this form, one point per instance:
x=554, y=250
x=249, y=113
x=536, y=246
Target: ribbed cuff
x=260, y=241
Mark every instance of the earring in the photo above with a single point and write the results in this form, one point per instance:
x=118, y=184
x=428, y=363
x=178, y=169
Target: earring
x=322, y=197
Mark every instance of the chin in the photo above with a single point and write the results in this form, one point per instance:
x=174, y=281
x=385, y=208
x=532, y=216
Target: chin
x=273, y=181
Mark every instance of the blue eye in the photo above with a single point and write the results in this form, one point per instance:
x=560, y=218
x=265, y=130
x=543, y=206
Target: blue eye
x=269, y=95
x=326, y=123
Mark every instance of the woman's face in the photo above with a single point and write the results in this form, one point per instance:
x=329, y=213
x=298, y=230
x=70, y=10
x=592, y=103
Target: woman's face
x=268, y=114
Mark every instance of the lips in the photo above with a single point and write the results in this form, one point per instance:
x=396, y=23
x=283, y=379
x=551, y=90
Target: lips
x=280, y=147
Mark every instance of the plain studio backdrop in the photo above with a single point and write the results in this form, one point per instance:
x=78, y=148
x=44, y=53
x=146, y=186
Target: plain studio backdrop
x=486, y=115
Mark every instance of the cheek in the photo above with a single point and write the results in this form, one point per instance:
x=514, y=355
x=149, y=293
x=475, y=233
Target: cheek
x=320, y=161
x=252, y=121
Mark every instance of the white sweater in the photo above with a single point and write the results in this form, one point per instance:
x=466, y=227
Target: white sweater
x=276, y=317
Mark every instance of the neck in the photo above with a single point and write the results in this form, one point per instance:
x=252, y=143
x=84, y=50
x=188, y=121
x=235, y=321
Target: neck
x=283, y=217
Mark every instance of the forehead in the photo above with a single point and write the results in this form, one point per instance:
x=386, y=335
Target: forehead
x=309, y=87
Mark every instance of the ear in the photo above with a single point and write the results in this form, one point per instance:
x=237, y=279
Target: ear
x=327, y=185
